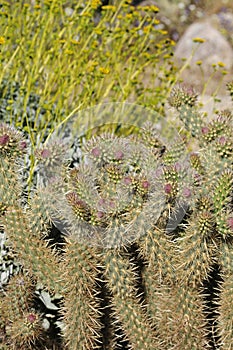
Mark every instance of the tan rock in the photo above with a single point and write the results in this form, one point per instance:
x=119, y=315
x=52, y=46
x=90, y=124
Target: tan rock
x=216, y=49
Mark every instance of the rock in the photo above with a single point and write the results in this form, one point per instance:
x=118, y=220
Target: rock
x=210, y=106
x=214, y=50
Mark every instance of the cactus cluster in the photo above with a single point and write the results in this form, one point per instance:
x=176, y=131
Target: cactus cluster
x=146, y=253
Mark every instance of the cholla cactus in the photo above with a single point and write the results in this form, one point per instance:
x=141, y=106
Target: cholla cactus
x=144, y=224
x=106, y=203
x=208, y=237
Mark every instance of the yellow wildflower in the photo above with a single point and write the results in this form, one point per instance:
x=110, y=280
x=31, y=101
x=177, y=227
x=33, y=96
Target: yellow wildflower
x=91, y=66
x=69, y=52
x=147, y=29
x=129, y=15
x=98, y=31
x=154, y=8
x=143, y=8
x=147, y=55
x=104, y=70
x=2, y=40
x=199, y=63
x=95, y=4
x=163, y=32
x=199, y=40
x=95, y=44
x=90, y=69
x=221, y=64
x=172, y=43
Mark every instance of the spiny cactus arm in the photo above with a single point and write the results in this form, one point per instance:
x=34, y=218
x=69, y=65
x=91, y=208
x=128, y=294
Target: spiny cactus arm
x=223, y=190
x=225, y=258
x=10, y=189
x=196, y=163
x=224, y=224
x=184, y=100
x=151, y=283
x=20, y=323
x=175, y=152
x=17, y=297
x=214, y=129
x=224, y=299
x=225, y=313
x=12, y=149
x=180, y=318
x=159, y=254
x=25, y=331
x=41, y=219
x=222, y=197
x=81, y=312
x=127, y=307
x=197, y=249
x=35, y=254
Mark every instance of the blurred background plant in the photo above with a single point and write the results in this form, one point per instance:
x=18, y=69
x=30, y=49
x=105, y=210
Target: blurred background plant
x=63, y=56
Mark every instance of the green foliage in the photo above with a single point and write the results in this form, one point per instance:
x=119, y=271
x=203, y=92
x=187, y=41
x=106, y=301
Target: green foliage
x=58, y=58
x=27, y=112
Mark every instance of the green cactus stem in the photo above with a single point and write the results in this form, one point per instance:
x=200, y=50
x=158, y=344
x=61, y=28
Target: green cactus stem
x=21, y=324
x=180, y=318
x=35, y=254
x=128, y=310
x=81, y=311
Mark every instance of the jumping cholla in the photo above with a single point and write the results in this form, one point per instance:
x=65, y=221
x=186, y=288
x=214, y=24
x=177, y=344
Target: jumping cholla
x=145, y=228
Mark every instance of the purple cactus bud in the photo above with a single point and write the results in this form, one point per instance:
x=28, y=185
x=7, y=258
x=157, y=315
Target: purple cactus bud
x=222, y=140
x=112, y=204
x=73, y=199
x=22, y=145
x=145, y=184
x=168, y=188
x=45, y=153
x=127, y=180
x=177, y=167
x=187, y=192
x=31, y=318
x=205, y=130
x=119, y=155
x=4, y=139
x=99, y=214
x=95, y=152
x=230, y=223
x=102, y=201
